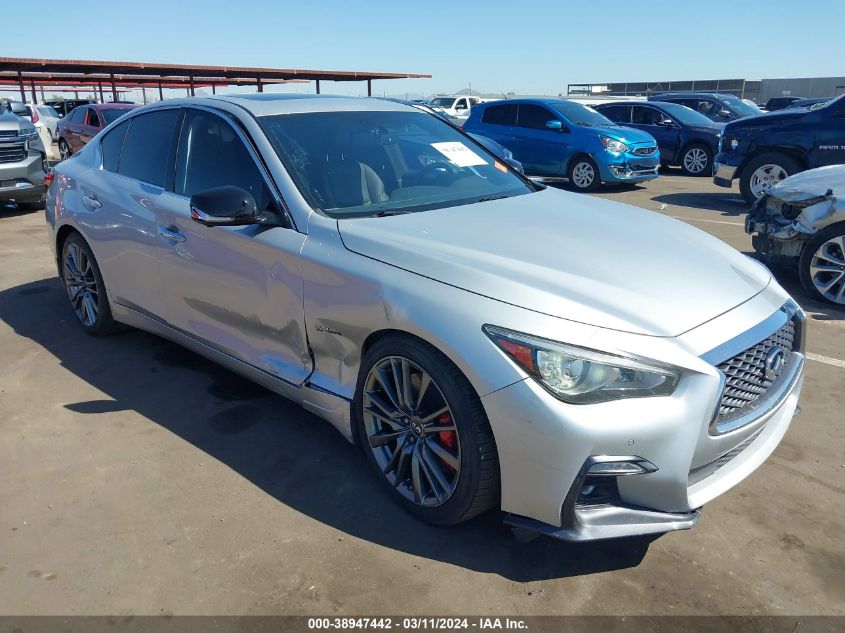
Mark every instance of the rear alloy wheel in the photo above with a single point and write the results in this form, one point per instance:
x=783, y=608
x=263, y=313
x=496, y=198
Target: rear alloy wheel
x=584, y=174
x=423, y=429
x=763, y=172
x=697, y=160
x=822, y=265
x=64, y=150
x=85, y=288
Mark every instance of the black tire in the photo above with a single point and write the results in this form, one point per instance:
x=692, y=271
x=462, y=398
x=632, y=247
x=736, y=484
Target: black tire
x=577, y=164
x=707, y=169
x=789, y=165
x=477, y=486
x=806, y=260
x=103, y=324
x=64, y=149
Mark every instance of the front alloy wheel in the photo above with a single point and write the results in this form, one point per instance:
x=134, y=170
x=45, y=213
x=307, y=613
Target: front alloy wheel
x=822, y=265
x=424, y=431
x=764, y=178
x=584, y=174
x=411, y=431
x=696, y=161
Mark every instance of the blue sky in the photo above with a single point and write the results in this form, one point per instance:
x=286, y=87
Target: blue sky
x=525, y=47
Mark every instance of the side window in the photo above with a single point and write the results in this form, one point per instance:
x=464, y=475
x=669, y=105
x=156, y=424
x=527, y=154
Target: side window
x=643, y=115
x=533, y=116
x=111, y=145
x=461, y=104
x=616, y=113
x=706, y=107
x=77, y=115
x=211, y=154
x=92, y=118
x=500, y=115
x=147, y=148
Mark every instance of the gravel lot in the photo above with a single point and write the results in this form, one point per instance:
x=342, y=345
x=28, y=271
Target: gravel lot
x=138, y=478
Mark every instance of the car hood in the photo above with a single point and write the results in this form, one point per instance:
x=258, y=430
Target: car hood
x=811, y=184
x=9, y=120
x=571, y=256
x=766, y=118
x=628, y=135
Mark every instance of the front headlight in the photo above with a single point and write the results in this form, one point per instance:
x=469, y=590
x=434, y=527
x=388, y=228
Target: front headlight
x=583, y=376
x=614, y=146
x=28, y=133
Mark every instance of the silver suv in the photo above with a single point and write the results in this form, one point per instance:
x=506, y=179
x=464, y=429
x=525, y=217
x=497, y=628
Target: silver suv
x=22, y=157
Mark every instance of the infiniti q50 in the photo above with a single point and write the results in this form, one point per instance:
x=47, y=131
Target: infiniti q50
x=593, y=369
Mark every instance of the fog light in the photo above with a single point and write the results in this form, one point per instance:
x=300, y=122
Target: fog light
x=622, y=467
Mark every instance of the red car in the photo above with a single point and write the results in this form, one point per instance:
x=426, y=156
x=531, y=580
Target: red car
x=85, y=122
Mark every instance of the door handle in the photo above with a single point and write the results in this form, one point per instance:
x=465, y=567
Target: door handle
x=171, y=234
x=91, y=202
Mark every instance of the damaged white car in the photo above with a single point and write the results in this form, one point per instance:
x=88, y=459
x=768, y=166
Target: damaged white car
x=801, y=220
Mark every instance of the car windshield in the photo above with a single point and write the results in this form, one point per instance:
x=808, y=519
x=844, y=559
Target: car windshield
x=353, y=164
x=442, y=102
x=113, y=114
x=740, y=107
x=48, y=111
x=578, y=114
x=685, y=115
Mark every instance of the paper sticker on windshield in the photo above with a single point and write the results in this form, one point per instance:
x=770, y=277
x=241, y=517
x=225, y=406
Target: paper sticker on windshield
x=459, y=154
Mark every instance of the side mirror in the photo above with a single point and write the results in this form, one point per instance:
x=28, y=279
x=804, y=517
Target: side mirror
x=555, y=125
x=224, y=206
x=725, y=114
x=666, y=123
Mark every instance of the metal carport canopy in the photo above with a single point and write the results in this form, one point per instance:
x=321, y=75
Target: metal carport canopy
x=27, y=70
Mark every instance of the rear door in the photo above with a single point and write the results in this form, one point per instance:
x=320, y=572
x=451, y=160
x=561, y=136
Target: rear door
x=137, y=159
x=541, y=151
x=238, y=289
x=91, y=126
x=497, y=123
x=73, y=127
x=647, y=119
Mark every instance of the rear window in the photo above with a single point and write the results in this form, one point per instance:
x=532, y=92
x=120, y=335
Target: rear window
x=111, y=145
x=146, y=154
x=500, y=114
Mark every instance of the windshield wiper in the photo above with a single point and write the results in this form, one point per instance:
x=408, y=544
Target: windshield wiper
x=489, y=198
x=384, y=214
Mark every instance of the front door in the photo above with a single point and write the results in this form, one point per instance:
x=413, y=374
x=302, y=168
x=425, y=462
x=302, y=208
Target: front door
x=91, y=127
x=648, y=119
x=238, y=289
x=830, y=139
x=542, y=151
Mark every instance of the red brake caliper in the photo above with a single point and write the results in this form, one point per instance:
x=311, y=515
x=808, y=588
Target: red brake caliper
x=447, y=438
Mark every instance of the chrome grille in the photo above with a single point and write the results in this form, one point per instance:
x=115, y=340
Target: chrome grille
x=12, y=153
x=745, y=373
x=8, y=133
x=697, y=474
x=644, y=151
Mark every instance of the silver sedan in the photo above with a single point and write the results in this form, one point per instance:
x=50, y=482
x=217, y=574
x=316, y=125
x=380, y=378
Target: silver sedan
x=593, y=369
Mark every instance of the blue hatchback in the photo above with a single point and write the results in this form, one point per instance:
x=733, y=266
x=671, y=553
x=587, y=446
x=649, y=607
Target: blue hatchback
x=685, y=137
x=558, y=138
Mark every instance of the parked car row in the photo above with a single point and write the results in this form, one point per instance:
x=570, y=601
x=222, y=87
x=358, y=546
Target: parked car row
x=22, y=161
x=85, y=122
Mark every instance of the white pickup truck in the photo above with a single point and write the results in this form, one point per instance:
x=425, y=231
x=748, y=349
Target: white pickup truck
x=456, y=106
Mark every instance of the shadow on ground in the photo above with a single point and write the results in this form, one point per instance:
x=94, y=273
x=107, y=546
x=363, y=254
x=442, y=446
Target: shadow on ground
x=729, y=204
x=295, y=457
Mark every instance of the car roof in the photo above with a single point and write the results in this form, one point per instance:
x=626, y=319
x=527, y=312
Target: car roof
x=718, y=95
x=264, y=104
x=109, y=106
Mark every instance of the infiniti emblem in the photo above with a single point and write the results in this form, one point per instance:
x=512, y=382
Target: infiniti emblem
x=774, y=363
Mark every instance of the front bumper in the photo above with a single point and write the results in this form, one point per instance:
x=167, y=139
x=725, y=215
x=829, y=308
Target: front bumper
x=23, y=180
x=549, y=445
x=725, y=169
x=629, y=167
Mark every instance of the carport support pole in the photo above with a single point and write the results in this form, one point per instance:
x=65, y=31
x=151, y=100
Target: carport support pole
x=34, y=96
x=160, y=92
x=191, y=81
x=214, y=89
x=369, y=87
x=259, y=85
x=113, y=88
x=318, y=86
x=23, y=91
x=102, y=96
